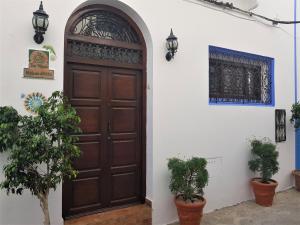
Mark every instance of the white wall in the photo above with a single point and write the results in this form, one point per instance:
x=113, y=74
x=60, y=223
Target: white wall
x=298, y=44
x=178, y=112
x=1, y=50
x=189, y=126
x=14, y=57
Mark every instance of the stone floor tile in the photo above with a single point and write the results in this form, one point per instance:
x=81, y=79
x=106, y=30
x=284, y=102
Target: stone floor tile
x=285, y=211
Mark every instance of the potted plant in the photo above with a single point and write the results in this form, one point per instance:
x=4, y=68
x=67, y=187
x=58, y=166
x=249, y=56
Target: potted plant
x=40, y=148
x=265, y=162
x=295, y=119
x=188, y=178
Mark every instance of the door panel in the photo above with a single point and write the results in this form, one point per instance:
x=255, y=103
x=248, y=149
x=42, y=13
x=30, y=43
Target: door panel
x=87, y=94
x=90, y=155
x=128, y=90
x=108, y=102
x=123, y=120
x=84, y=186
x=90, y=119
x=83, y=79
x=128, y=191
x=125, y=149
x=124, y=152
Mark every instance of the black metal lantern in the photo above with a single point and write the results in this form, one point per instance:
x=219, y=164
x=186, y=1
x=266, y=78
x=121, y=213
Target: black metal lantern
x=172, y=46
x=40, y=24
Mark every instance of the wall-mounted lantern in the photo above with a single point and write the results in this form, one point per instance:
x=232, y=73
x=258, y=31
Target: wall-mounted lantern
x=172, y=46
x=40, y=24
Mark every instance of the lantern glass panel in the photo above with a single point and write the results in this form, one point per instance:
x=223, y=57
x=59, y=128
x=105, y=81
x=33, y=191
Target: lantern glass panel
x=40, y=22
x=46, y=23
x=34, y=21
x=175, y=44
x=169, y=45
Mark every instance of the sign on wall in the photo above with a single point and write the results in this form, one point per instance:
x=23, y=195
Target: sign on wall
x=38, y=65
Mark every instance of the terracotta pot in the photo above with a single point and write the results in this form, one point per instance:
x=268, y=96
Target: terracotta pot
x=190, y=213
x=296, y=174
x=264, y=193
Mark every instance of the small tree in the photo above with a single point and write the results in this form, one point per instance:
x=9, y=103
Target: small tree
x=188, y=178
x=264, y=159
x=41, y=148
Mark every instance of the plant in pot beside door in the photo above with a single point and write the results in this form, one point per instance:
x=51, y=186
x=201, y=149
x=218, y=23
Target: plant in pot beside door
x=188, y=178
x=295, y=119
x=264, y=162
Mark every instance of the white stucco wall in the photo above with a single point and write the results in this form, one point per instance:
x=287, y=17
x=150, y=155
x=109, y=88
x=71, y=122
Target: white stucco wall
x=1, y=50
x=180, y=121
x=298, y=44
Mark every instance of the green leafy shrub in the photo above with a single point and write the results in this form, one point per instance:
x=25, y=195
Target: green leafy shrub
x=188, y=178
x=9, y=120
x=41, y=148
x=265, y=159
x=295, y=119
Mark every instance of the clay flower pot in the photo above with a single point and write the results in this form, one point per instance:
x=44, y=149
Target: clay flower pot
x=296, y=174
x=264, y=192
x=190, y=213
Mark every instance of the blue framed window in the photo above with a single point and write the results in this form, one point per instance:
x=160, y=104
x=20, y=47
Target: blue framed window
x=240, y=78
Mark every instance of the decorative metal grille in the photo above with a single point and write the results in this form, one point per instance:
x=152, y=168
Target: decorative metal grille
x=103, y=52
x=280, y=125
x=239, y=78
x=106, y=25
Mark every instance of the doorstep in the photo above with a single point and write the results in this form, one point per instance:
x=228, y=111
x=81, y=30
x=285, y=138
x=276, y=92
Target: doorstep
x=133, y=215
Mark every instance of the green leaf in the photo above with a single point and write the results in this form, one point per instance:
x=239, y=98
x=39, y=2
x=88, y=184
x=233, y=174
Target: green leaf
x=50, y=49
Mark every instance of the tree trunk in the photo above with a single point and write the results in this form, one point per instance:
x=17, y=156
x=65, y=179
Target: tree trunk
x=43, y=197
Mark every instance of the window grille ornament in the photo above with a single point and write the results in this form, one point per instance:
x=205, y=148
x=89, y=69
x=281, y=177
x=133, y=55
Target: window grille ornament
x=280, y=125
x=103, y=52
x=239, y=78
x=105, y=25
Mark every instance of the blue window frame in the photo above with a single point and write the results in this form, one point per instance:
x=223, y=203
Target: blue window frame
x=240, y=78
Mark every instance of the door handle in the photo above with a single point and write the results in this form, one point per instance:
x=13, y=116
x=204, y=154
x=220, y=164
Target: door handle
x=108, y=130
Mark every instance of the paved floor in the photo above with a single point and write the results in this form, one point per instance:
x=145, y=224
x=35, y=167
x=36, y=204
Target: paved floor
x=135, y=215
x=285, y=211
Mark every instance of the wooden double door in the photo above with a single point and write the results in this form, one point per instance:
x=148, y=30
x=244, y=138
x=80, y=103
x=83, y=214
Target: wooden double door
x=109, y=103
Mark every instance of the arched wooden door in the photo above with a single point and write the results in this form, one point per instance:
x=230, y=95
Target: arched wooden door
x=105, y=81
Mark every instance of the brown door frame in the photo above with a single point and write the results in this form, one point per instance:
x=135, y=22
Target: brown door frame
x=107, y=63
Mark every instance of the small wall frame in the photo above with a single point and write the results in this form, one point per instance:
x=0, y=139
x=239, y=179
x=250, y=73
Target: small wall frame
x=280, y=125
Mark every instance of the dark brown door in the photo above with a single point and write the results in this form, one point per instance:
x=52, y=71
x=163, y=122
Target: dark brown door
x=105, y=80
x=109, y=103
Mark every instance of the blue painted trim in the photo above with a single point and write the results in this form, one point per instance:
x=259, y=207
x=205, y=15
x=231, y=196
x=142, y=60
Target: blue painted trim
x=239, y=54
x=297, y=148
x=248, y=56
x=239, y=104
x=272, y=66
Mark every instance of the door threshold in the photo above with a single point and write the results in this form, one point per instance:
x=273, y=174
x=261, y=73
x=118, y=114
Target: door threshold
x=131, y=214
x=102, y=211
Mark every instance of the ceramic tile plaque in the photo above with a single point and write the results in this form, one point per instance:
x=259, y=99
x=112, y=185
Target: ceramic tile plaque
x=33, y=101
x=38, y=65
